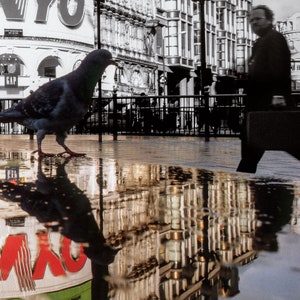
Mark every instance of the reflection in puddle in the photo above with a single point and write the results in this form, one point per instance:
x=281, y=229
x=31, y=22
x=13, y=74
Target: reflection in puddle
x=149, y=231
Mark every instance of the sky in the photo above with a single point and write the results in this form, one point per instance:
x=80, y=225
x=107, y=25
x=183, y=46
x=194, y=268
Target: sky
x=282, y=8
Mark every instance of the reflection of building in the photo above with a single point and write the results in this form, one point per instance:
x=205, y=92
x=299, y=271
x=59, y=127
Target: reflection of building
x=190, y=250
x=291, y=30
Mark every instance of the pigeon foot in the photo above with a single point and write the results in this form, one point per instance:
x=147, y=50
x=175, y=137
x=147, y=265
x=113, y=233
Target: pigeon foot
x=43, y=154
x=71, y=153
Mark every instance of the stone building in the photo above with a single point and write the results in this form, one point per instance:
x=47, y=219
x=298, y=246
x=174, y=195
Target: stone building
x=128, y=30
x=156, y=42
x=175, y=51
x=229, y=37
x=291, y=30
x=42, y=40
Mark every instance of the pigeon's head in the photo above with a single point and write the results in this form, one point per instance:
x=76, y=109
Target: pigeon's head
x=100, y=57
x=91, y=70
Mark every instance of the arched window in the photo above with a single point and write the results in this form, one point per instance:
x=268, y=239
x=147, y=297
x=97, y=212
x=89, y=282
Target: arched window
x=11, y=64
x=77, y=64
x=47, y=67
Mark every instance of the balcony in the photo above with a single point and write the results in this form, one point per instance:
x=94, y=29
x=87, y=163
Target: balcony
x=178, y=61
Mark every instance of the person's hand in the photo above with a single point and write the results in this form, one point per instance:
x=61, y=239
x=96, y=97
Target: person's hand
x=278, y=101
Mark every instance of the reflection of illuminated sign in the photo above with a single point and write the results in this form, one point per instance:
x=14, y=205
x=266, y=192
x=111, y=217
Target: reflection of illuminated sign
x=39, y=269
x=70, y=12
x=12, y=173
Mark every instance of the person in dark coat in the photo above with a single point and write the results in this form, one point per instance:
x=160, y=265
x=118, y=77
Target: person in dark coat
x=269, y=77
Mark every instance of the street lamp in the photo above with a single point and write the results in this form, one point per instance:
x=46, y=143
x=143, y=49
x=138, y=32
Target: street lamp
x=99, y=104
x=202, y=42
x=204, y=73
x=98, y=24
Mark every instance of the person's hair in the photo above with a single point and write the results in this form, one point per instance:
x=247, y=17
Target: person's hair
x=268, y=12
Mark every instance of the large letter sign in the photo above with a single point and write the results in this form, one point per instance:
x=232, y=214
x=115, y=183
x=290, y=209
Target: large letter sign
x=14, y=10
x=43, y=10
x=70, y=12
x=68, y=19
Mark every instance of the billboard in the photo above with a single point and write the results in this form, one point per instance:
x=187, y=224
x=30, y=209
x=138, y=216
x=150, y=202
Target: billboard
x=70, y=20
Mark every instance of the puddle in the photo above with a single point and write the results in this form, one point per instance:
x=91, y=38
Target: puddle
x=102, y=229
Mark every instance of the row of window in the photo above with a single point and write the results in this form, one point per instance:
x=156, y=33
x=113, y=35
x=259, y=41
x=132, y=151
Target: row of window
x=13, y=64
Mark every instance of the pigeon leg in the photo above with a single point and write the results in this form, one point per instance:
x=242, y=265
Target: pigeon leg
x=60, y=138
x=40, y=136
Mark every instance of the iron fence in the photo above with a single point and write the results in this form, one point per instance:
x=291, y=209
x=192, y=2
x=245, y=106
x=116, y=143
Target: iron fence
x=168, y=115
x=216, y=115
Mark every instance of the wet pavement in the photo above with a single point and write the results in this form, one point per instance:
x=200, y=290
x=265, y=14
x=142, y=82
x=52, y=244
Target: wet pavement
x=147, y=218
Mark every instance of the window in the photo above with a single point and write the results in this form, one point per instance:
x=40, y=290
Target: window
x=10, y=64
x=189, y=7
x=183, y=48
x=159, y=40
x=189, y=39
x=197, y=36
x=183, y=39
x=47, y=67
x=196, y=8
x=183, y=6
x=50, y=72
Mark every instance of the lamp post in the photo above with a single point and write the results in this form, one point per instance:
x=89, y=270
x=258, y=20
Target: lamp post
x=99, y=104
x=204, y=91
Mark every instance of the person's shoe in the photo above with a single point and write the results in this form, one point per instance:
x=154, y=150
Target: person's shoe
x=246, y=167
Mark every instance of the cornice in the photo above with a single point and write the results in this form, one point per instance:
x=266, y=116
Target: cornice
x=47, y=39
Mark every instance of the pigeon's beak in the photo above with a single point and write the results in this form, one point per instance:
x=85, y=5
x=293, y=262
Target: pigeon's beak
x=113, y=62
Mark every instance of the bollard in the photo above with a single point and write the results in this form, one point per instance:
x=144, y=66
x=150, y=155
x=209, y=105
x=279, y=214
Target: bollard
x=115, y=116
x=206, y=104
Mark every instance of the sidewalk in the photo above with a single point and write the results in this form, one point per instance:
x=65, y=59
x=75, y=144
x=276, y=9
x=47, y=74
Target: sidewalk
x=219, y=154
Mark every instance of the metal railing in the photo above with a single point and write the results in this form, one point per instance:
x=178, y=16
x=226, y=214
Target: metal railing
x=168, y=115
x=176, y=115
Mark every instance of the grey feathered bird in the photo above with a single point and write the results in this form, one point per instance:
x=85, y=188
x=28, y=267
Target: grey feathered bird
x=58, y=105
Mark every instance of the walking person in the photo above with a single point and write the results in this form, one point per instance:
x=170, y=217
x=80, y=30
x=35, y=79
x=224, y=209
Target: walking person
x=269, y=77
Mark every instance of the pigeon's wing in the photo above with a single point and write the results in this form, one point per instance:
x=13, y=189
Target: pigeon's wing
x=43, y=101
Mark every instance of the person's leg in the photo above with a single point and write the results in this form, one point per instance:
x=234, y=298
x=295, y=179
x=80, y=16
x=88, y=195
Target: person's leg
x=296, y=154
x=250, y=158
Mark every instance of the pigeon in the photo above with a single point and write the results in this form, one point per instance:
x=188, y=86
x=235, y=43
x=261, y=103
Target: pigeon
x=58, y=105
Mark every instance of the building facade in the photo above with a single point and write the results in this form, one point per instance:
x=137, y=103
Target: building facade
x=290, y=28
x=175, y=45
x=42, y=40
x=228, y=39
x=128, y=31
x=157, y=42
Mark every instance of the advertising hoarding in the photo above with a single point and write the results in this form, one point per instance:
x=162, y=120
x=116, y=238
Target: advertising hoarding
x=70, y=20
